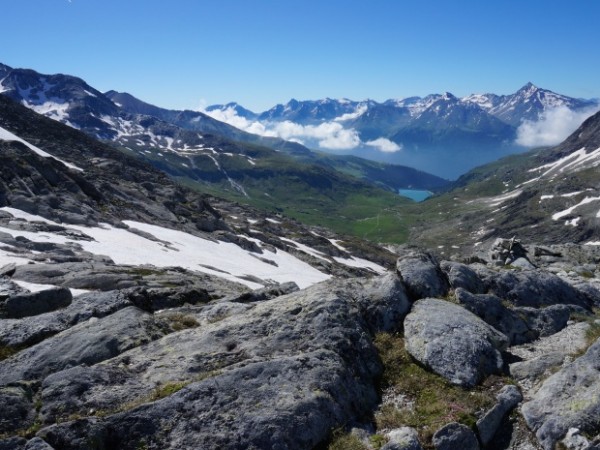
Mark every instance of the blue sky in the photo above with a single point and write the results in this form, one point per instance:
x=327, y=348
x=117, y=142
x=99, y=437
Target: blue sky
x=182, y=53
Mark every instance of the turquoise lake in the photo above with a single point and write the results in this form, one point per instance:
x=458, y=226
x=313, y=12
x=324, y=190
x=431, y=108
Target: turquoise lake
x=414, y=194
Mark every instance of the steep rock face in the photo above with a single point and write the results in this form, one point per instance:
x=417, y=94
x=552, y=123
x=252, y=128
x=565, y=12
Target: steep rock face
x=568, y=399
x=453, y=342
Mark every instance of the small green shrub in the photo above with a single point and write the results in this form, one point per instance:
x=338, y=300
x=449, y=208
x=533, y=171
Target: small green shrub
x=377, y=441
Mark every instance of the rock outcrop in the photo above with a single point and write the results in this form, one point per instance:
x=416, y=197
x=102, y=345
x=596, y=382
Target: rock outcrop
x=568, y=399
x=306, y=355
x=422, y=275
x=453, y=342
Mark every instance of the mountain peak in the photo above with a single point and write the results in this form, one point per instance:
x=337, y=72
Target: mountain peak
x=448, y=96
x=529, y=88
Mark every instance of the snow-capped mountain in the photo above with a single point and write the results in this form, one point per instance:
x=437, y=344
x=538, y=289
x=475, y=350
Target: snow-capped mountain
x=530, y=103
x=239, y=110
x=65, y=98
x=312, y=112
x=439, y=133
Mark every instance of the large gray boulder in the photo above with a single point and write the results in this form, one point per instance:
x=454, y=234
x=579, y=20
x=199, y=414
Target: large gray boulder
x=277, y=374
x=491, y=309
x=17, y=410
x=545, y=321
x=85, y=343
x=533, y=288
x=462, y=276
x=568, y=399
x=453, y=342
x=422, y=276
x=31, y=330
x=33, y=303
x=455, y=436
x=383, y=301
x=519, y=324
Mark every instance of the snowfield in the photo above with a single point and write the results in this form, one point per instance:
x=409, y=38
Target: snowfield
x=176, y=248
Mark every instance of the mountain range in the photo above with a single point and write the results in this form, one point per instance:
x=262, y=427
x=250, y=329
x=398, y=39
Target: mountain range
x=439, y=133
x=214, y=157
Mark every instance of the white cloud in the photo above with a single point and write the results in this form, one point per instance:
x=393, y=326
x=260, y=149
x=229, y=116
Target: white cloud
x=327, y=135
x=554, y=126
x=384, y=145
x=349, y=116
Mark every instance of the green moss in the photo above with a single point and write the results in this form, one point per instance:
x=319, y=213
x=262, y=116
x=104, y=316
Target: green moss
x=7, y=352
x=435, y=401
x=377, y=441
x=592, y=334
x=168, y=389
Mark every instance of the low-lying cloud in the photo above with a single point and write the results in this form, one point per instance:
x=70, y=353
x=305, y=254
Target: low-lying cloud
x=326, y=135
x=384, y=145
x=554, y=126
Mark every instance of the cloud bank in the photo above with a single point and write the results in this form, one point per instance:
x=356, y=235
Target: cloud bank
x=554, y=126
x=327, y=135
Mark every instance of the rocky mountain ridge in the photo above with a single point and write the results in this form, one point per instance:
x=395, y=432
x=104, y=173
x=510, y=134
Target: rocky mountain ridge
x=129, y=122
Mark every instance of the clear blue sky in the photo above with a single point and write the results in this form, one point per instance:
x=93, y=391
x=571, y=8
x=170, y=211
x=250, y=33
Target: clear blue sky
x=178, y=53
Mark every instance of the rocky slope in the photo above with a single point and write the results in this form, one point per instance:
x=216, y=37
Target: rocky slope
x=546, y=196
x=216, y=366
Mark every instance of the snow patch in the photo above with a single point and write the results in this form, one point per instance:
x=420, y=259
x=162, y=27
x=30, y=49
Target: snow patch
x=361, y=263
x=495, y=201
x=6, y=135
x=575, y=161
x=176, y=248
x=34, y=287
x=568, y=211
x=573, y=222
x=306, y=249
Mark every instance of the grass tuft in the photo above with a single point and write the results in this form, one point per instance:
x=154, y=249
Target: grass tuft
x=346, y=441
x=179, y=321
